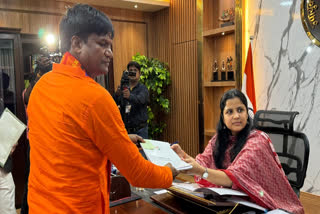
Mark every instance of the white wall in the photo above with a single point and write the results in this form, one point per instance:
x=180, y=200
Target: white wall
x=287, y=71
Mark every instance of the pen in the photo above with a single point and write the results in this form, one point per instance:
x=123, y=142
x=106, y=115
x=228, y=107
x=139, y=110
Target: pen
x=177, y=142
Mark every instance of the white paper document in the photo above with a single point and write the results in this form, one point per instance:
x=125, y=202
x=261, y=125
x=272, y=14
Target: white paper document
x=247, y=203
x=231, y=195
x=11, y=128
x=227, y=191
x=160, y=153
x=187, y=186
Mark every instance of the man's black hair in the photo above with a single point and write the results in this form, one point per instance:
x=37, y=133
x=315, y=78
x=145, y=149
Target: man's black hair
x=83, y=20
x=135, y=64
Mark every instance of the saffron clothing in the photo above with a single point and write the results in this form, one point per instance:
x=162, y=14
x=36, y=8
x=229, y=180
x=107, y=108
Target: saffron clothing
x=75, y=130
x=256, y=170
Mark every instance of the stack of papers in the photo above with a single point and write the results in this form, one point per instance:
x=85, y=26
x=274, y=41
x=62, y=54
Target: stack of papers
x=160, y=153
x=11, y=128
x=229, y=195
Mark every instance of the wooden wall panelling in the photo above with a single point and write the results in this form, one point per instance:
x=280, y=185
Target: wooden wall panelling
x=159, y=36
x=130, y=38
x=173, y=40
x=29, y=23
x=212, y=15
x=32, y=6
x=183, y=20
x=184, y=112
x=32, y=15
x=219, y=49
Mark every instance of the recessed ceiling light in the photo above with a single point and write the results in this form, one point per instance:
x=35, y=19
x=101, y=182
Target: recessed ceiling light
x=135, y=6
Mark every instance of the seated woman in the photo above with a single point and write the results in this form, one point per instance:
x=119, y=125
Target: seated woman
x=242, y=158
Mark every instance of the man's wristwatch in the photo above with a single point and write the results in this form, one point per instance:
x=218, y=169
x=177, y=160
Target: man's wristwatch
x=205, y=174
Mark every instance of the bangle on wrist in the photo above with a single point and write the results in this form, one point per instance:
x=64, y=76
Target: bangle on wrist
x=205, y=174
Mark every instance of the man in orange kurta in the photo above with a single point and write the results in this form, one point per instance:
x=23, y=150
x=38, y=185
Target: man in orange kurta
x=75, y=128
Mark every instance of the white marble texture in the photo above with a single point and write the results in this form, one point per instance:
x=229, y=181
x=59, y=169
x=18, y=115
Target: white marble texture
x=287, y=71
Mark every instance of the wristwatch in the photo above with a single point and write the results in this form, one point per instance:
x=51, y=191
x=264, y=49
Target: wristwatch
x=205, y=174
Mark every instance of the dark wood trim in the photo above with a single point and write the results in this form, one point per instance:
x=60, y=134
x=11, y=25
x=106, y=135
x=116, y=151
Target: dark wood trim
x=19, y=81
x=19, y=154
x=29, y=39
x=9, y=30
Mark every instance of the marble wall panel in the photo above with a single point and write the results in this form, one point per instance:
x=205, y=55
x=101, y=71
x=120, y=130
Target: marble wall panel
x=287, y=71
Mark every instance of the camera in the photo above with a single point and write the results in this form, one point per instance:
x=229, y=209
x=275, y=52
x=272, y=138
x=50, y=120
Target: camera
x=52, y=57
x=124, y=84
x=132, y=74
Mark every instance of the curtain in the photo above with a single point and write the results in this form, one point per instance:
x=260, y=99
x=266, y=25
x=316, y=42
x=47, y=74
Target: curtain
x=8, y=93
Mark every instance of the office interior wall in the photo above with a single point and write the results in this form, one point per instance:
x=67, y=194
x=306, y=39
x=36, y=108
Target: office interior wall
x=286, y=69
x=33, y=15
x=172, y=39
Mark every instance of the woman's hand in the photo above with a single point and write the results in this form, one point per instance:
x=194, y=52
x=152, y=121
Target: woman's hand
x=196, y=169
x=179, y=151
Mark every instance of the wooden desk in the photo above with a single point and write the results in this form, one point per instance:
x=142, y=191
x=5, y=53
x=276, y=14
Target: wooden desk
x=136, y=207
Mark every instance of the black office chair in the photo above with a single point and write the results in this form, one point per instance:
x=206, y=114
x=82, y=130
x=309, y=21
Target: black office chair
x=292, y=147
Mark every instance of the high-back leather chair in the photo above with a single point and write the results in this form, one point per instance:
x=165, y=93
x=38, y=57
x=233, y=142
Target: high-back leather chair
x=292, y=147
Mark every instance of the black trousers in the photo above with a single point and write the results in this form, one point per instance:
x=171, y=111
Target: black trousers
x=24, y=204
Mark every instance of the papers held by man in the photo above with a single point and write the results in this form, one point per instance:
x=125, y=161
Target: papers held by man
x=11, y=128
x=160, y=153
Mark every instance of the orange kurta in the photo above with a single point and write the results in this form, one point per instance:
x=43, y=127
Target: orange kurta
x=75, y=127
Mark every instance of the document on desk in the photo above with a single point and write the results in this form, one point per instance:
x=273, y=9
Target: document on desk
x=160, y=153
x=11, y=128
x=217, y=196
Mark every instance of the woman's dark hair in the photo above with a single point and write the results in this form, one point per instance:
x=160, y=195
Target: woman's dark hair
x=83, y=20
x=135, y=64
x=223, y=133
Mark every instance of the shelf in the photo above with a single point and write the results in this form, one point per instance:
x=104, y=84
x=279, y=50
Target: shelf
x=219, y=31
x=220, y=84
x=210, y=132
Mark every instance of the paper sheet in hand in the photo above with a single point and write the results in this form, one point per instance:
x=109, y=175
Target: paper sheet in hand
x=160, y=153
x=11, y=128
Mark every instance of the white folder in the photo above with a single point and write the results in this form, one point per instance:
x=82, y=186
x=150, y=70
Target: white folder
x=11, y=128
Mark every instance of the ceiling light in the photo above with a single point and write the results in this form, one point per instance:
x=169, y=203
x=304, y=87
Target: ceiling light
x=50, y=39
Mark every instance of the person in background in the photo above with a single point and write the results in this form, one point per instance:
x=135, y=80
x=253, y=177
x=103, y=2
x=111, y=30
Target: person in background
x=242, y=158
x=133, y=102
x=44, y=65
x=75, y=127
x=7, y=187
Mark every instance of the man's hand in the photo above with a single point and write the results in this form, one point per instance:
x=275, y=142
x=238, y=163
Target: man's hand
x=135, y=138
x=13, y=148
x=174, y=171
x=126, y=93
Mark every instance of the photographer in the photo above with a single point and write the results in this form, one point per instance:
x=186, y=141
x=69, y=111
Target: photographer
x=132, y=98
x=44, y=65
